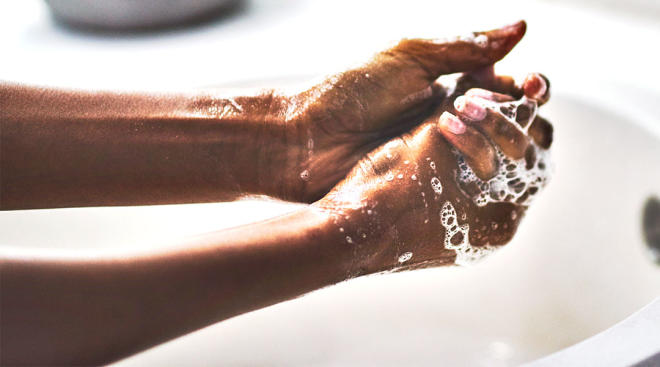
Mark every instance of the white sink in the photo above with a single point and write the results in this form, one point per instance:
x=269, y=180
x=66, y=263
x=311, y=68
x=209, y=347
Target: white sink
x=576, y=267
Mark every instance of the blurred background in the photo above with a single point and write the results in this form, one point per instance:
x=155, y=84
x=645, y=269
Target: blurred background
x=262, y=39
x=579, y=261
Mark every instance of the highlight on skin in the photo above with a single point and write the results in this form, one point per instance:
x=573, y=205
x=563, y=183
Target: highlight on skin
x=401, y=171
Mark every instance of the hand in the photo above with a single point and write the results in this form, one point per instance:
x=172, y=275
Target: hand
x=338, y=121
x=452, y=190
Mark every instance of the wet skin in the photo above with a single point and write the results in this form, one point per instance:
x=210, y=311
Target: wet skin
x=79, y=148
x=378, y=204
x=387, y=205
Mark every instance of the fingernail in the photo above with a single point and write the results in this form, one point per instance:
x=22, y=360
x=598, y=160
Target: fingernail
x=452, y=123
x=470, y=108
x=535, y=86
x=481, y=93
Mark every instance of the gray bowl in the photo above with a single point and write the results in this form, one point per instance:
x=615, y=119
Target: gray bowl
x=137, y=14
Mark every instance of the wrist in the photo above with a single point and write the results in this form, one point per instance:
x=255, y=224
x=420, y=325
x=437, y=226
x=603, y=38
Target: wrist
x=281, y=160
x=361, y=228
x=257, y=150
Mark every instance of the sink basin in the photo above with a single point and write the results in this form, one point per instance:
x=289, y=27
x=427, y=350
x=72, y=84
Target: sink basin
x=577, y=266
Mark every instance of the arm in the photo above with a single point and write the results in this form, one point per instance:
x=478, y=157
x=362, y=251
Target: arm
x=401, y=207
x=89, y=312
x=75, y=148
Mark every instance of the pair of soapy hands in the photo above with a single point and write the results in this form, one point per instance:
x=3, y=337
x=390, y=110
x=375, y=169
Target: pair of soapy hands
x=427, y=173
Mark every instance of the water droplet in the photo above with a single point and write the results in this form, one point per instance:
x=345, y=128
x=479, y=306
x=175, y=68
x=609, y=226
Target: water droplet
x=304, y=175
x=406, y=162
x=369, y=211
x=405, y=257
x=389, y=177
x=349, y=239
x=413, y=177
x=432, y=165
x=399, y=176
x=341, y=229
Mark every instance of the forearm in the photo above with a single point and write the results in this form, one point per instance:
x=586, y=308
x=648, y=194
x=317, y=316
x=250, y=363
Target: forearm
x=94, y=311
x=75, y=148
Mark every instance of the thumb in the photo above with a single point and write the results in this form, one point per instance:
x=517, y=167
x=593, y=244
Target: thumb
x=400, y=78
x=431, y=58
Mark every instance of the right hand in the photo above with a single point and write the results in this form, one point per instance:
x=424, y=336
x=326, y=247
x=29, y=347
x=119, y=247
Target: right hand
x=405, y=204
x=341, y=119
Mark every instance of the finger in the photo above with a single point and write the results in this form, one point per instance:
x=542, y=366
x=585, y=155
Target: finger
x=509, y=137
x=488, y=95
x=541, y=132
x=537, y=86
x=486, y=78
x=478, y=151
x=398, y=78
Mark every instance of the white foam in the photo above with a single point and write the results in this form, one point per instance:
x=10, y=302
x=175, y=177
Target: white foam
x=513, y=180
x=481, y=40
x=405, y=257
x=466, y=254
x=509, y=110
x=436, y=185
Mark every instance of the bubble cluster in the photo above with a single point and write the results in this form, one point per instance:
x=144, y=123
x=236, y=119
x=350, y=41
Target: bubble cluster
x=457, y=238
x=481, y=40
x=516, y=181
x=436, y=185
x=520, y=112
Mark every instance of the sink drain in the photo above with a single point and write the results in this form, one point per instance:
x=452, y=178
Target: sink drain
x=651, y=227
